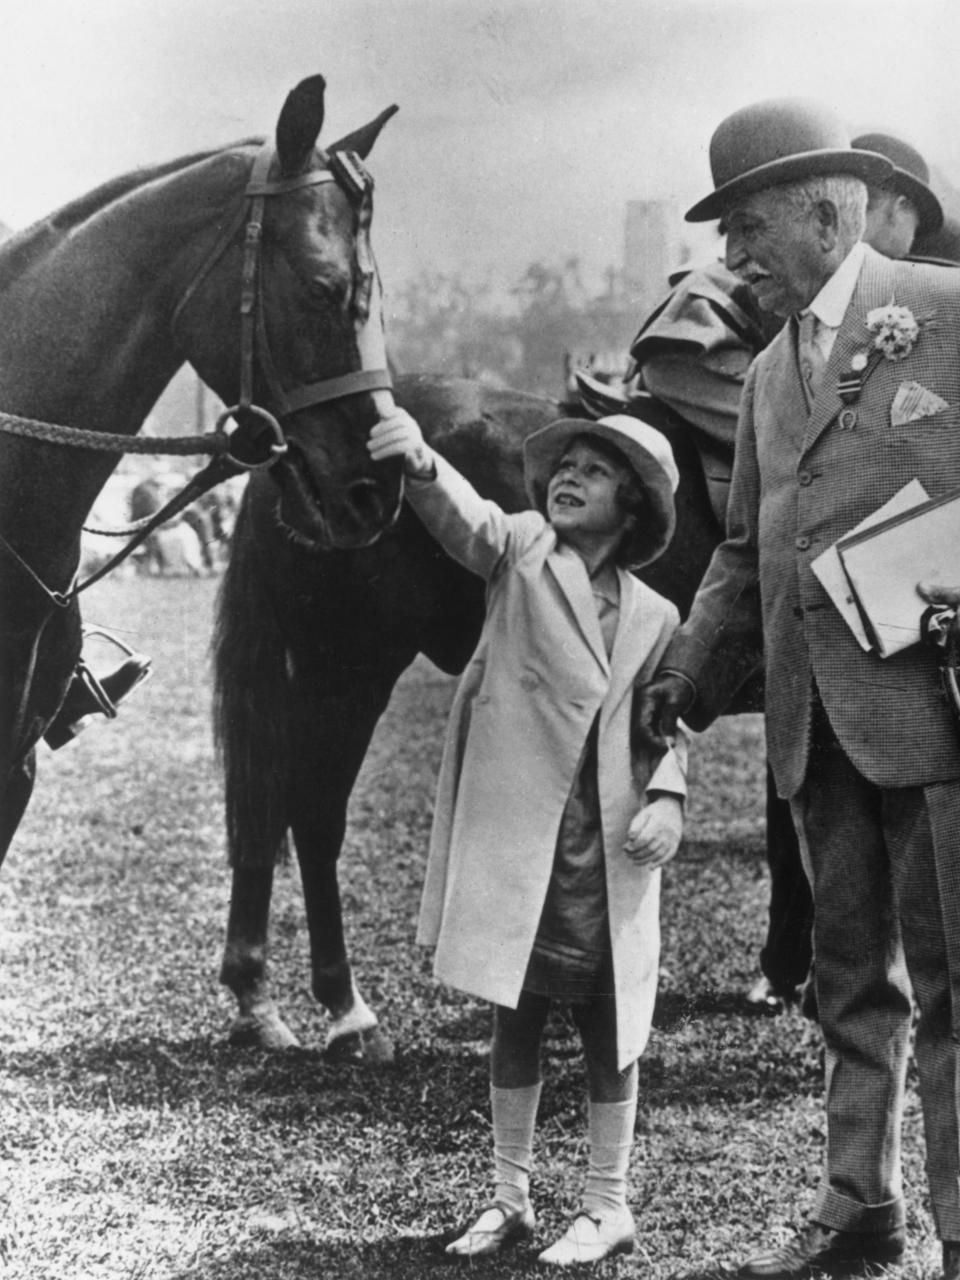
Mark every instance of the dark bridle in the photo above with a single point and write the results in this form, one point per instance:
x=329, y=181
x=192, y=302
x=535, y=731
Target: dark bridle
x=346, y=169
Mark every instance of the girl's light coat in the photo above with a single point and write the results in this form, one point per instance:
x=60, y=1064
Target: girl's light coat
x=519, y=722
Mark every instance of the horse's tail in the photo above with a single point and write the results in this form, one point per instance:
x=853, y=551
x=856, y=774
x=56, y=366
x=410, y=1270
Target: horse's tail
x=251, y=706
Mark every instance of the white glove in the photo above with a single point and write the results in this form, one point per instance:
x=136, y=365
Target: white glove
x=399, y=436
x=655, y=833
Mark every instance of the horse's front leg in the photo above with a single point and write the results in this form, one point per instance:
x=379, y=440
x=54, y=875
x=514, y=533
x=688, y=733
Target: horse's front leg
x=354, y=1031
x=331, y=733
x=244, y=967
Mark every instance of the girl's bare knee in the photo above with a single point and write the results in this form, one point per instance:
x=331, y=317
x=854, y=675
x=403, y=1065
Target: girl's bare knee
x=517, y=1035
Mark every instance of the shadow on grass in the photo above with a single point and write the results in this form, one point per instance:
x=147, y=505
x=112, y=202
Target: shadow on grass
x=404, y=1258
x=674, y=1008
x=439, y=1084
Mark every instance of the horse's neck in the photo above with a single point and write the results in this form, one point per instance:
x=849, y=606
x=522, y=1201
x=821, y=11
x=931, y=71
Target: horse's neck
x=87, y=336
x=93, y=344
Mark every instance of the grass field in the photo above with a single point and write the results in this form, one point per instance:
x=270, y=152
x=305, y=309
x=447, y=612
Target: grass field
x=136, y=1143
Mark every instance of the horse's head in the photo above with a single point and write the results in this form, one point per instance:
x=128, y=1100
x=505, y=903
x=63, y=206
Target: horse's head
x=285, y=322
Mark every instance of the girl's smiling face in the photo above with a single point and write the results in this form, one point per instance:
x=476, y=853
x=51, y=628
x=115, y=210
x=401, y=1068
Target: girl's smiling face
x=582, y=493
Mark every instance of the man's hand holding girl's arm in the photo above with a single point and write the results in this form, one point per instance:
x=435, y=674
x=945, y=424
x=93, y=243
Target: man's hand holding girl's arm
x=657, y=707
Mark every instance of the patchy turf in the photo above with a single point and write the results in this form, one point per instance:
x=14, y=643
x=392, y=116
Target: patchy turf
x=136, y=1144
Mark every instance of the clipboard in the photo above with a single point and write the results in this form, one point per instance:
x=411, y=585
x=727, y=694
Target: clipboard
x=884, y=562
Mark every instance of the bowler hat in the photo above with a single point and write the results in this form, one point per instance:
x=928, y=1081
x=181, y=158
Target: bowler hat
x=910, y=177
x=645, y=450
x=777, y=141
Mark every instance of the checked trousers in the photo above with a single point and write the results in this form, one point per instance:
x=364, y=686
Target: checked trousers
x=884, y=864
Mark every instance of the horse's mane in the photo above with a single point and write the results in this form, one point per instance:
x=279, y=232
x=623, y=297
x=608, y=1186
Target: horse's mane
x=18, y=250
x=77, y=211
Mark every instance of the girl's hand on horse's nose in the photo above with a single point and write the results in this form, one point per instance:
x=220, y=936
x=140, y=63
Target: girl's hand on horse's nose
x=399, y=436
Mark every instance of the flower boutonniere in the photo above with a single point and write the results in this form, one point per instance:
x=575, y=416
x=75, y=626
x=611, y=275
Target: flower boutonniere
x=894, y=329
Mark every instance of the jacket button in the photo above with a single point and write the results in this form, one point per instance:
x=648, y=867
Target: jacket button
x=802, y=543
x=804, y=478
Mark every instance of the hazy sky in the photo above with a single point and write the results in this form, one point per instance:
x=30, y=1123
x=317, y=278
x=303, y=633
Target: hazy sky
x=524, y=125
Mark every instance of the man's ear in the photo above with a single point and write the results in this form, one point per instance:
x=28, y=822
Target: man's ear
x=903, y=204
x=827, y=217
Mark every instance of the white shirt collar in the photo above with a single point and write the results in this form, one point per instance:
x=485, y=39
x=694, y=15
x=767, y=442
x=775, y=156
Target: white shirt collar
x=830, y=304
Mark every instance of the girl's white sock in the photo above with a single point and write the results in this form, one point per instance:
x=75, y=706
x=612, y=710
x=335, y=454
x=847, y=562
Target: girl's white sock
x=514, y=1119
x=611, y=1138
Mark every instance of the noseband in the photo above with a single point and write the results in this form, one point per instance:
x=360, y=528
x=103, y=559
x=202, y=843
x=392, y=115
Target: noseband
x=346, y=169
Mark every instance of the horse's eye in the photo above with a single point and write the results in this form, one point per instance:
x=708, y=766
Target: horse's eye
x=332, y=290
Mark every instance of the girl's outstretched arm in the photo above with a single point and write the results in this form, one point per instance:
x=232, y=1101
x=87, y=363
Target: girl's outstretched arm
x=472, y=529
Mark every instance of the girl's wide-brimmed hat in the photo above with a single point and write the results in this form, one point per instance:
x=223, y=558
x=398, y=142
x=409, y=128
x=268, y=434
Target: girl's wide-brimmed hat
x=645, y=449
x=910, y=176
x=777, y=141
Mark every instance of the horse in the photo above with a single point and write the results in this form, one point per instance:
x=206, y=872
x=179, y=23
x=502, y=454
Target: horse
x=308, y=645
x=252, y=262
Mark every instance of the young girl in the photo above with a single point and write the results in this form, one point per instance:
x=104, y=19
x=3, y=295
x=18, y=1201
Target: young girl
x=542, y=881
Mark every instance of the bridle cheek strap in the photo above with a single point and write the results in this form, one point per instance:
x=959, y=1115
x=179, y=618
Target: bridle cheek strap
x=348, y=171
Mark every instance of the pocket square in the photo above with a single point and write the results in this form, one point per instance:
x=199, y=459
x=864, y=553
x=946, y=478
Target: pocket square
x=914, y=401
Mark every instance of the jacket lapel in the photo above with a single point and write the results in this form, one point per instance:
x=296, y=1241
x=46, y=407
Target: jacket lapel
x=574, y=581
x=876, y=287
x=626, y=641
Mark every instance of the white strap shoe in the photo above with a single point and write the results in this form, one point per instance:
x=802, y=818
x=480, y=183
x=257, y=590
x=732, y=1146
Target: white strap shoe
x=497, y=1226
x=591, y=1237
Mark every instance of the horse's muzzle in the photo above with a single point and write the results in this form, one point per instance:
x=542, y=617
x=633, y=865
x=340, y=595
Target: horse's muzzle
x=337, y=515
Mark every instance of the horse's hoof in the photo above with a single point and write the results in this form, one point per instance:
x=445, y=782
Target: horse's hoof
x=370, y=1046
x=265, y=1030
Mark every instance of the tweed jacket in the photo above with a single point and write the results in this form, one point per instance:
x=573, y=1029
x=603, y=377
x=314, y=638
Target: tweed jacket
x=803, y=478
x=538, y=680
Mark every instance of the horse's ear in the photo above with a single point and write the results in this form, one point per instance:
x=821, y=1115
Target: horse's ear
x=362, y=140
x=299, y=124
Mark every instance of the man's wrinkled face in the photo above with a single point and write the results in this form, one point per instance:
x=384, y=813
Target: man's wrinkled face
x=776, y=250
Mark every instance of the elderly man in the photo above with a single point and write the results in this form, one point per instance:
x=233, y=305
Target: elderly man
x=693, y=352
x=864, y=747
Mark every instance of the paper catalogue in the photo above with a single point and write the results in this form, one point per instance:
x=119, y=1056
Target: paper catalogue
x=884, y=561
x=830, y=571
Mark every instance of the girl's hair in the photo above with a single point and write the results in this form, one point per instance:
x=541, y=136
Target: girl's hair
x=631, y=498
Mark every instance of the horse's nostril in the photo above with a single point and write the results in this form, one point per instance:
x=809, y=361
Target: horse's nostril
x=367, y=501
